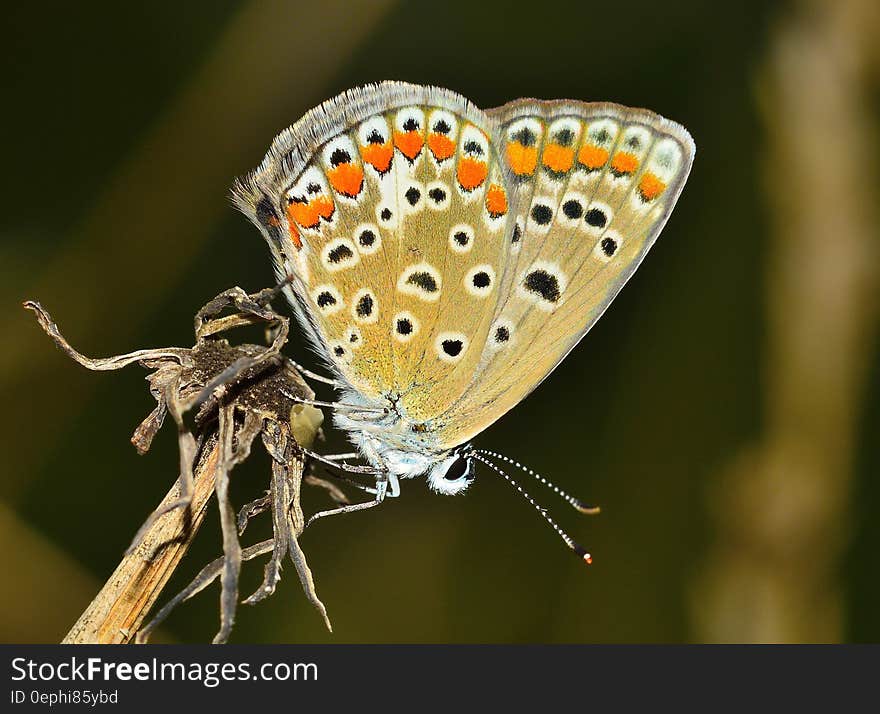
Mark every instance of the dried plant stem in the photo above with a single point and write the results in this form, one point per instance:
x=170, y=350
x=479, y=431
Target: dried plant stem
x=235, y=394
x=118, y=610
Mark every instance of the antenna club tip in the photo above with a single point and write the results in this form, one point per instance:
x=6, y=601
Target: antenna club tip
x=587, y=558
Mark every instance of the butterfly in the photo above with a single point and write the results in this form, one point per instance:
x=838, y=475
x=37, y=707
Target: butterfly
x=443, y=260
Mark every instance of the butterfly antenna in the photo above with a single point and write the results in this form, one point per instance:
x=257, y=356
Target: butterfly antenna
x=577, y=548
x=576, y=503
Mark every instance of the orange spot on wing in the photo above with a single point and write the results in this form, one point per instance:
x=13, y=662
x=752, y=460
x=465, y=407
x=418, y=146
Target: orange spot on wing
x=347, y=179
x=324, y=206
x=521, y=159
x=624, y=163
x=441, y=146
x=303, y=214
x=309, y=215
x=378, y=156
x=471, y=173
x=294, y=236
x=651, y=186
x=558, y=158
x=410, y=143
x=273, y=221
x=496, y=201
x=593, y=157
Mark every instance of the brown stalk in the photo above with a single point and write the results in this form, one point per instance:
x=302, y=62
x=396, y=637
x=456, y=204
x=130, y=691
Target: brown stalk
x=235, y=394
x=118, y=610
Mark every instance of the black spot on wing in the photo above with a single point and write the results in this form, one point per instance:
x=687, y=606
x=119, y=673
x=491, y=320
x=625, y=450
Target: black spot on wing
x=542, y=214
x=481, y=280
x=564, y=137
x=339, y=156
x=525, y=136
x=339, y=253
x=423, y=280
x=364, y=307
x=325, y=299
x=543, y=284
x=596, y=217
x=452, y=347
x=573, y=209
x=609, y=246
x=413, y=195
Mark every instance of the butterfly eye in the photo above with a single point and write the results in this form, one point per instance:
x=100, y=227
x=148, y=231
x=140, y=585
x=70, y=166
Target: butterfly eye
x=459, y=469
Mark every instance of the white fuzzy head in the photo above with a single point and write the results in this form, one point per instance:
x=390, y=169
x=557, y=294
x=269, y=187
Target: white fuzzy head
x=448, y=472
x=452, y=475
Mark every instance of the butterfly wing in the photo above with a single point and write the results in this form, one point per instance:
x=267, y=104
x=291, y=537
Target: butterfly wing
x=592, y=185
x=388, y=204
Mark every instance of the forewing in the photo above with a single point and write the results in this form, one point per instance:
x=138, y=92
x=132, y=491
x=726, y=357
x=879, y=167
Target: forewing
x=386, y=203
x=592, y=185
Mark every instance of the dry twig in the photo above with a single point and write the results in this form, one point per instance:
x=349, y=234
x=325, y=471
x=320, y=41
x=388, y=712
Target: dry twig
x=236, y=394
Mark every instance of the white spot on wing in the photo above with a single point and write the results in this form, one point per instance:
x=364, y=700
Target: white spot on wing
x=332, y=305
x=412, y=197
x=368, y=238
x=386, y=215
x=475, y=278
x=399, y=324
x=461, y=238
x=353, y=337
x=410, y=113
x=572, y=208
x=451, y=346
x=541, y=208
x=608, y=246
x=438, y=195
x=340, y=351
x=602, y=133
x=372, y=127
x=543, y=284
x=592, y=219
x=500, y=328
x=373, y=315
x=533, y=125
x=339, y=254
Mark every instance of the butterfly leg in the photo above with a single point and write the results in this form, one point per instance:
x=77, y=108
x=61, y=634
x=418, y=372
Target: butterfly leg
x=339, y=406
x=394, y=486
x=314, y=375
x=341, y=457
x=382, y=483
x=352, y=482
x=351, y=508
x=343, y=466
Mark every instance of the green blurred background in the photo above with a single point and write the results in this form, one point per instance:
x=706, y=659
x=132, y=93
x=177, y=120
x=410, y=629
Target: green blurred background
x=724, y=413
